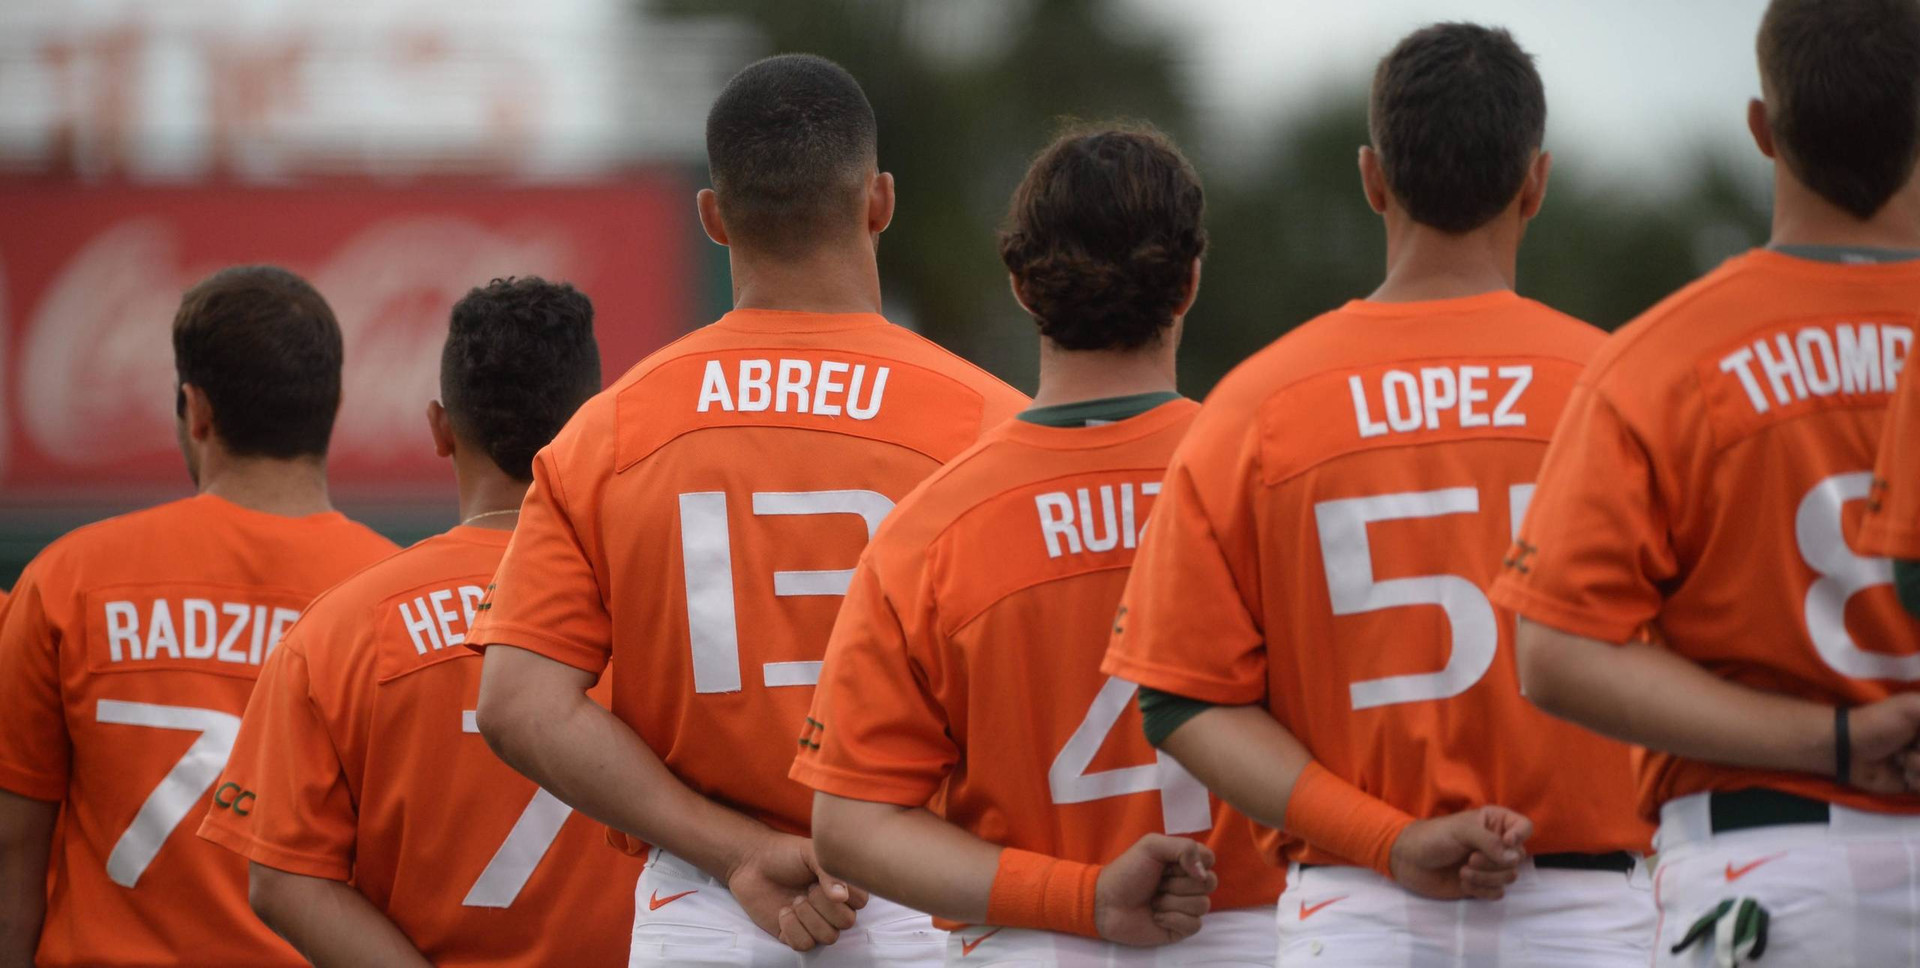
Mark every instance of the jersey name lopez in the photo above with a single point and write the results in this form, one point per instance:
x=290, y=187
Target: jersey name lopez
x=1466, y=396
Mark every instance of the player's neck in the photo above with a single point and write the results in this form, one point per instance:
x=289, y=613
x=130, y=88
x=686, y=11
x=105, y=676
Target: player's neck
x=1076, y=376
x=292, y=487
x=1425, y=264
x=1802, y=217
x=836, y=278
x=489, y=498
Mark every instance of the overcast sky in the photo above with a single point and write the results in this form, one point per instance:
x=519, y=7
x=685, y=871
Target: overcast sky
x=1629, y=82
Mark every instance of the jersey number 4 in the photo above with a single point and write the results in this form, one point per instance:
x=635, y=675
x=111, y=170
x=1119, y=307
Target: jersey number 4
x=1184, y=806
x=1348, y=556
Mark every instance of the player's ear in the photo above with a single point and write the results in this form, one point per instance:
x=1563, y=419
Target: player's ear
x=879, y=202
x=1762, y=130
x=1013, y=284
x=440, y=425
x=196, y=412
x=1193, y=290
x=1533, y=191
x=1373, y=180
x=708, y=204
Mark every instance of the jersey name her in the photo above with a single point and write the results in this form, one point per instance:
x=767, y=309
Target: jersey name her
x=1413, y=400
x=1088, y=519
x=1820, y=361
x=434, y=621
x=794, y=386
x=195, y=628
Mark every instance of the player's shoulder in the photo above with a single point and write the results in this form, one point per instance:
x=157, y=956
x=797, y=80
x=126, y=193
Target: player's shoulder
x=348, y=615
x=942, y=497
x=910, y=347
x=1664, y=340
x=110, y=540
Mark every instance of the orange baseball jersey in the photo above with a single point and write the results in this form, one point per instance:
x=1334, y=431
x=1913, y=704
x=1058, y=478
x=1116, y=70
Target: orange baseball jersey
x=966, y=660
x=1324, y=545
x=359, y=761
x=699, y=520
x=1890, y=525
x=1708, y=470
x=126, y=656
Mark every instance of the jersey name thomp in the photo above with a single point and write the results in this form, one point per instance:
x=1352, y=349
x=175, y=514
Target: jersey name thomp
x=966, y=662
x=1710, y=467
x=698, y=522
x=128, y=653
x=1325, y=543
x=359, y=760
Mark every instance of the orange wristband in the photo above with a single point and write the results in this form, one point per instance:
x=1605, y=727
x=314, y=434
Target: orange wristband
x=1043, y=893
x=1340, y=818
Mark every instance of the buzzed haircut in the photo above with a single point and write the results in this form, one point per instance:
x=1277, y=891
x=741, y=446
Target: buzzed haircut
x=520, y=359
x=1842, y=82
x=1457, y=113
x=1101, y=236
x=266, y=350
x=790, y=141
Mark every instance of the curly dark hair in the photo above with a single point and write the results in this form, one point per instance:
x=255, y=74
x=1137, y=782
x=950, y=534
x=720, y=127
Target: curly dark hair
x=1101, y=237
x=520, y=359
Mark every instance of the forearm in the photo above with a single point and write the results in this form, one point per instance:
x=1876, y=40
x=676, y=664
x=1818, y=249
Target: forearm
x=26, y=836
x=1244, y=756
x=906, y=854
x=536, y=716
x=327, y=921
x=1648, y=695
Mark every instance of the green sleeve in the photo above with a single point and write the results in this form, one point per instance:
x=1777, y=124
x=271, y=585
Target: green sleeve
x=1906, y=580
x=1164, y=712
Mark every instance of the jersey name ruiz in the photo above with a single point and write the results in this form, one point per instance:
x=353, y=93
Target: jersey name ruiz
x=1094, y=519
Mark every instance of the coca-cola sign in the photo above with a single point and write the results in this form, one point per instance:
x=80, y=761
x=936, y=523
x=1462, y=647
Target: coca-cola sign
x=90, y=276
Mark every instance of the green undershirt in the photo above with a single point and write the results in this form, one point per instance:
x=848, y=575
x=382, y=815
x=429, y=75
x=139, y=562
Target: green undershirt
x=1848, y=254
x=1093, y=413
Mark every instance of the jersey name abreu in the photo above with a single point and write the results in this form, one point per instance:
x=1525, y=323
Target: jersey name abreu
x=826, y=387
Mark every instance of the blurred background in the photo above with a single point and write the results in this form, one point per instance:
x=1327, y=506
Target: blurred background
x=398, y=152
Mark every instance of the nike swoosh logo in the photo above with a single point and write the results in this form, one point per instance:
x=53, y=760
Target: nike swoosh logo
x=656, y=902
x=1307, y=911
x=966, y=947
x=1735, y=873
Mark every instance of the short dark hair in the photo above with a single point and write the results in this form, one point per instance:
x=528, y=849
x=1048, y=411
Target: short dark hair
x=1456, y=115
x=1102, y=234
x=1843, y=95
x=266, y=350
x=520, y=359
x=790, y=141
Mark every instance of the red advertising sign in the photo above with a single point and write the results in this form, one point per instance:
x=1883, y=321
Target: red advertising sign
x=90, y=276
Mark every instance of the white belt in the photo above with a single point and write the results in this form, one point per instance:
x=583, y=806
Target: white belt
x=671, y=866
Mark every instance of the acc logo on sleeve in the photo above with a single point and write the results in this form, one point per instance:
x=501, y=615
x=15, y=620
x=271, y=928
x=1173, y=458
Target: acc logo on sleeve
x=230, y=796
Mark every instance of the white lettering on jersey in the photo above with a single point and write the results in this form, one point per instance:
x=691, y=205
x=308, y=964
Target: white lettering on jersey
x=432, y=622
x=1411, y=402
x=1820, y=361
x=793, y=386
x=1114, y=524
x=205, y=629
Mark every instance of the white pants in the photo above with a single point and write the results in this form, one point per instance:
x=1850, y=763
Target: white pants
x=1242, y=937
x=1351, y=917
x=681, y=916
x=1844, y=894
